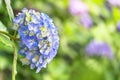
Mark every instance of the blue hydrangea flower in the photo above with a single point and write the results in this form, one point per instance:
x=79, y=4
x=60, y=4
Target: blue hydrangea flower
x=38, y=38
x=99, y=49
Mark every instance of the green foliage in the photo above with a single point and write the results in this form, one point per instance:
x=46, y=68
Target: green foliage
x=71, y=63
x=4, y=63
x=2, y=27
x=4, y=38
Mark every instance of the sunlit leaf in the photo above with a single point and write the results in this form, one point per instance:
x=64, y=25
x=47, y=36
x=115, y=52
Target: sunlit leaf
x=3, y=63
x=116, y=14
x=5, y=40
x=94, y=65
x=2, y=27
x=101, y=33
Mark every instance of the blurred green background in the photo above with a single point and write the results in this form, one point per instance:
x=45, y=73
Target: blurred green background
x=70, y=63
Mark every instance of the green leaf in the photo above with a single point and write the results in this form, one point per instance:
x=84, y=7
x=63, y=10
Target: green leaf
x=5, y=48
x=5, y=40
x=0, y=3
x=95, y=66
x=60, y=67
x=3, y=63
x=101, y=33
x=2, y=27
x=116, y=13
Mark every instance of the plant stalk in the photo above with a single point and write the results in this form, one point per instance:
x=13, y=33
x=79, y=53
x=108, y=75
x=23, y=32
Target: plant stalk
x=7, y=34
x=14, y=68
x=9, y=9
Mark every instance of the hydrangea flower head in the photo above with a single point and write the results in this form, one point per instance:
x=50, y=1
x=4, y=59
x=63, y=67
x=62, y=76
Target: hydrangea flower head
x=114, y=2
x=38, y=38
x=99, y=49
x=118, y=26
x=77, y=7
x=86, y=21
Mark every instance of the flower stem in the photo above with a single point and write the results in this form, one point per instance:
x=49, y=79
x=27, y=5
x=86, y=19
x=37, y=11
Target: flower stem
x=13, y=38
x=14, y=71
x=9, y=9
x=7, y=34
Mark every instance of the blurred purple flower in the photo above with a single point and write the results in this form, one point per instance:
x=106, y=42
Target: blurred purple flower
x=99, y=49
x=86, y=21
x=118, y=26
x=77, y=7
x=114, y=2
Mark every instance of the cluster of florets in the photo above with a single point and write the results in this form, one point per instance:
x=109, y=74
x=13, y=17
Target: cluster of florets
x=98, y=48
x=38, y=38
x=114, y=2
x=78, y=8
